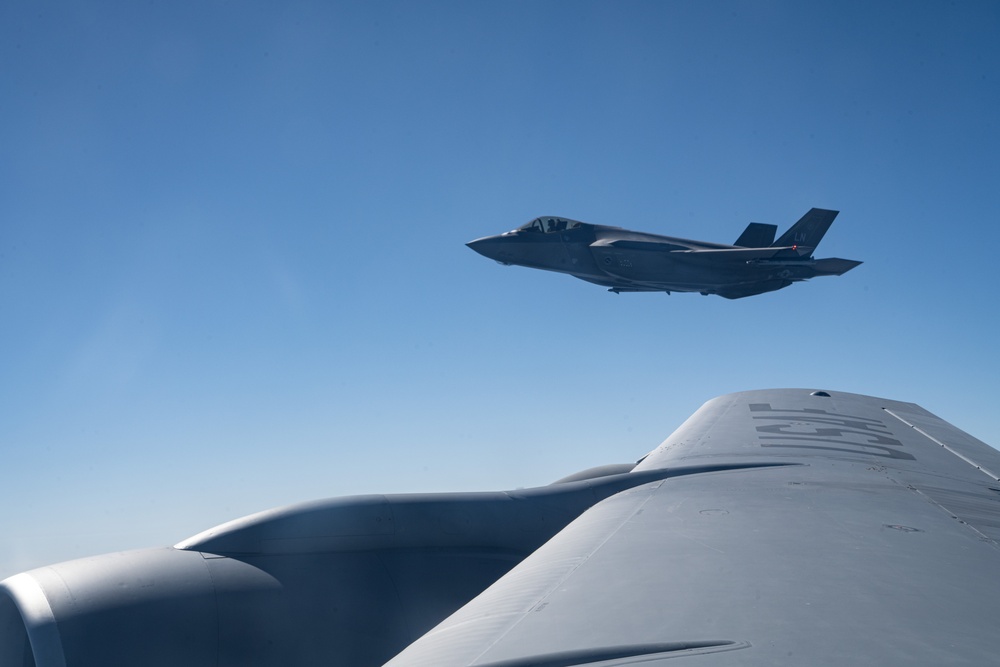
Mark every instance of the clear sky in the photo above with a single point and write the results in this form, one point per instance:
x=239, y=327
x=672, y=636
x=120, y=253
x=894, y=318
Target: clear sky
x=232, y=261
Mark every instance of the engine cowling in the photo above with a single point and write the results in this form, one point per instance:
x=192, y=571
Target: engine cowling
x=346, y=581
x=150, y=607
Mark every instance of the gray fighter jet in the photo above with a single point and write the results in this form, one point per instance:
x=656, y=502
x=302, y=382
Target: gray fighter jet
x=627, y=261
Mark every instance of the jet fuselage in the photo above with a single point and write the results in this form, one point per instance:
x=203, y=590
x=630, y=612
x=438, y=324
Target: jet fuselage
x=629, y=261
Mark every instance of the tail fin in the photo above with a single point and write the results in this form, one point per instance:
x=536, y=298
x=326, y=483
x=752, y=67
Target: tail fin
x=809, y=230
x=757, y=235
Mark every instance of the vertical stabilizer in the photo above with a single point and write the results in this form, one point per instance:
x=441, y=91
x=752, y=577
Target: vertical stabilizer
x=757, y=235
x=809, y=230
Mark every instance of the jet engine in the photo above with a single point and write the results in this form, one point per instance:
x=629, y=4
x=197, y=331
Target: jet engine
x=348, y=581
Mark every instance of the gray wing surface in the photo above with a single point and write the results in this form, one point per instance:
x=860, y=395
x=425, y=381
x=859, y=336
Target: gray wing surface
x=877, y=541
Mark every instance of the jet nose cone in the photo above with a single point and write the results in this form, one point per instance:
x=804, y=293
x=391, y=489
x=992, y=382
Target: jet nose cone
x=477, y=244
x=490, y=246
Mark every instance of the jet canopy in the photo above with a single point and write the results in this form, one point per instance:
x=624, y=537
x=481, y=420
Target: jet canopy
x=548, y=225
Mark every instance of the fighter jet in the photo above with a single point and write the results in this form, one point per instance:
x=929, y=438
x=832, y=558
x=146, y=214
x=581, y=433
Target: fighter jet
x=627, y=261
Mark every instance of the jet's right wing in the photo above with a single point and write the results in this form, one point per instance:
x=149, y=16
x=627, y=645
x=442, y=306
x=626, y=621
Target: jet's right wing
x=877, y=542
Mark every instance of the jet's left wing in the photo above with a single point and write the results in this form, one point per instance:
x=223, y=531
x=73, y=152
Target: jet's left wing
x=877, y=542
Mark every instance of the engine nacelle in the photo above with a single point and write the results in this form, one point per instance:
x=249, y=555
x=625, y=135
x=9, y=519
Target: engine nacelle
x=346, y=581
x=151, y=607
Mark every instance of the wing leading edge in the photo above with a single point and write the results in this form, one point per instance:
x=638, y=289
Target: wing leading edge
x=876, y=543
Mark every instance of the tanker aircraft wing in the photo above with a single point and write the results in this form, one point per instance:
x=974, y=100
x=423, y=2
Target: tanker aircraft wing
x=874, y=542
x=786, y=526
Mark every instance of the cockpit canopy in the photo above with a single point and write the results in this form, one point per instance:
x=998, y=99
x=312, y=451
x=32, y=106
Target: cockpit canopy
x=547, y=225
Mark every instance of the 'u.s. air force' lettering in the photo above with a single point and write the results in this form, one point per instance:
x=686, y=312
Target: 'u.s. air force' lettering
x=800, y=429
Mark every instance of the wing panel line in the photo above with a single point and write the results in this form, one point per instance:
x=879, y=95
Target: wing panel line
x=985, y=471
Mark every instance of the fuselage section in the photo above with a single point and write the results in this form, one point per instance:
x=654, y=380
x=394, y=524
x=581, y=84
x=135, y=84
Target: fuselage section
x=625, y=260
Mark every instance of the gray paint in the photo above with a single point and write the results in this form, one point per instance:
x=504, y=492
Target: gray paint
x=851, y=556
x=342, y=581
x=628, y=261
x=775, y=526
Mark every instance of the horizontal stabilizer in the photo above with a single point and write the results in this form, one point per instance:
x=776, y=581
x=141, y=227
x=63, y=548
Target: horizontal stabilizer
x=757, y=235
x=809, y=230
x=834, y=266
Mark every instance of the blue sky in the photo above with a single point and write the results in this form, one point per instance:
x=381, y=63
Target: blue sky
x=232, y=261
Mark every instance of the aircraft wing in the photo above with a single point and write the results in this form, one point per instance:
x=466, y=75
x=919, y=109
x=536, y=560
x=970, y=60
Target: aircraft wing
x=744, y=254
x=724, y=253
x=773, y=527
x=877, y=543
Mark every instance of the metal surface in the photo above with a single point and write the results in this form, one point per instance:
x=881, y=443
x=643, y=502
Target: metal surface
x=627, y=261
x=789, y=526
x=342, y=581
x=878, y=545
